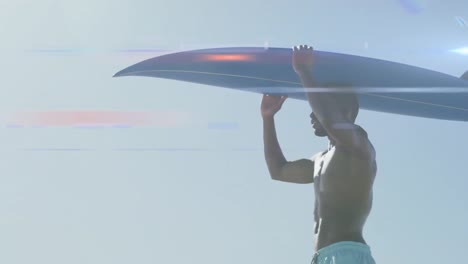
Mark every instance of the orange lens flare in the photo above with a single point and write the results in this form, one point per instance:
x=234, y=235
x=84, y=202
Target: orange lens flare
x=227, y=57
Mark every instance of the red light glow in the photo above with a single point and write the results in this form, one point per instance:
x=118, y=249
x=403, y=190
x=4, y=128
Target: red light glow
x=227, y=57
x=99, y=118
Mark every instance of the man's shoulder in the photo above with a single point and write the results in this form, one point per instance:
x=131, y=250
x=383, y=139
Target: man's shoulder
x=359, y=142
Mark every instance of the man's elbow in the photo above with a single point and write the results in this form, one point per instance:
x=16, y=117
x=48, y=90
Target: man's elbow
x=276, y=176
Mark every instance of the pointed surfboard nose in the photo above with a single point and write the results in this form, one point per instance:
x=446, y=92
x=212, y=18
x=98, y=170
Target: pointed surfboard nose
x=212, y=60
x=129, y=71
x=119, y=74
x=151, y=67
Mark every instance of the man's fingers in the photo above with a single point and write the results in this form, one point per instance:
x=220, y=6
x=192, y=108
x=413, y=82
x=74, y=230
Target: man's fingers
x=302, y=47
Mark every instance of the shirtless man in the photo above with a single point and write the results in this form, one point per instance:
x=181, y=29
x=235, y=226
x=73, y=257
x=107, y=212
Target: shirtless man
x=343, y=175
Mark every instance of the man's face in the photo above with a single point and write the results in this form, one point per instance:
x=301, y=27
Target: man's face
x=319, y=131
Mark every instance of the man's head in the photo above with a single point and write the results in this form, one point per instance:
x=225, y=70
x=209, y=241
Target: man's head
x=319, y=131
x=347, y=103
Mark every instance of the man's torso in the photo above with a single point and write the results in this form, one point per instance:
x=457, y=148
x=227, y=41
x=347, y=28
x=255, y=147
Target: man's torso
x=343, y=195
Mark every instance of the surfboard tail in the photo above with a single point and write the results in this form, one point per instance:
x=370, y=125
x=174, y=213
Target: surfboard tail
x=465, y=76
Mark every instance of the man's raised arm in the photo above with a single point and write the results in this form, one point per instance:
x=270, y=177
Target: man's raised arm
x=300, y=171
x=339, y=125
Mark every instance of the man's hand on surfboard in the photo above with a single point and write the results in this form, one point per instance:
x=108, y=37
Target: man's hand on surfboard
x=302, y=59
x=271, y=105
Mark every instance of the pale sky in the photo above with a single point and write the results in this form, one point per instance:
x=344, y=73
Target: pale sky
x=198, y=190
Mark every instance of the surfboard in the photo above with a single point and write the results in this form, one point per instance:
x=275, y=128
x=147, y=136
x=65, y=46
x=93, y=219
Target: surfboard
x=380, y=85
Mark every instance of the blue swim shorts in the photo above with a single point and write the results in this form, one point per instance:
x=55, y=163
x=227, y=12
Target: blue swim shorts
x=346, y=252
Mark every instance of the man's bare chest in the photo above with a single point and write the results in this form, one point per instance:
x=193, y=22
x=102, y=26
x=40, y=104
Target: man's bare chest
x=334, y=168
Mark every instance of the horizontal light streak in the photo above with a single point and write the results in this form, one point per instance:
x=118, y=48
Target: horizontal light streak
x=462, y=51
x=96, y=119
x=284, y=90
